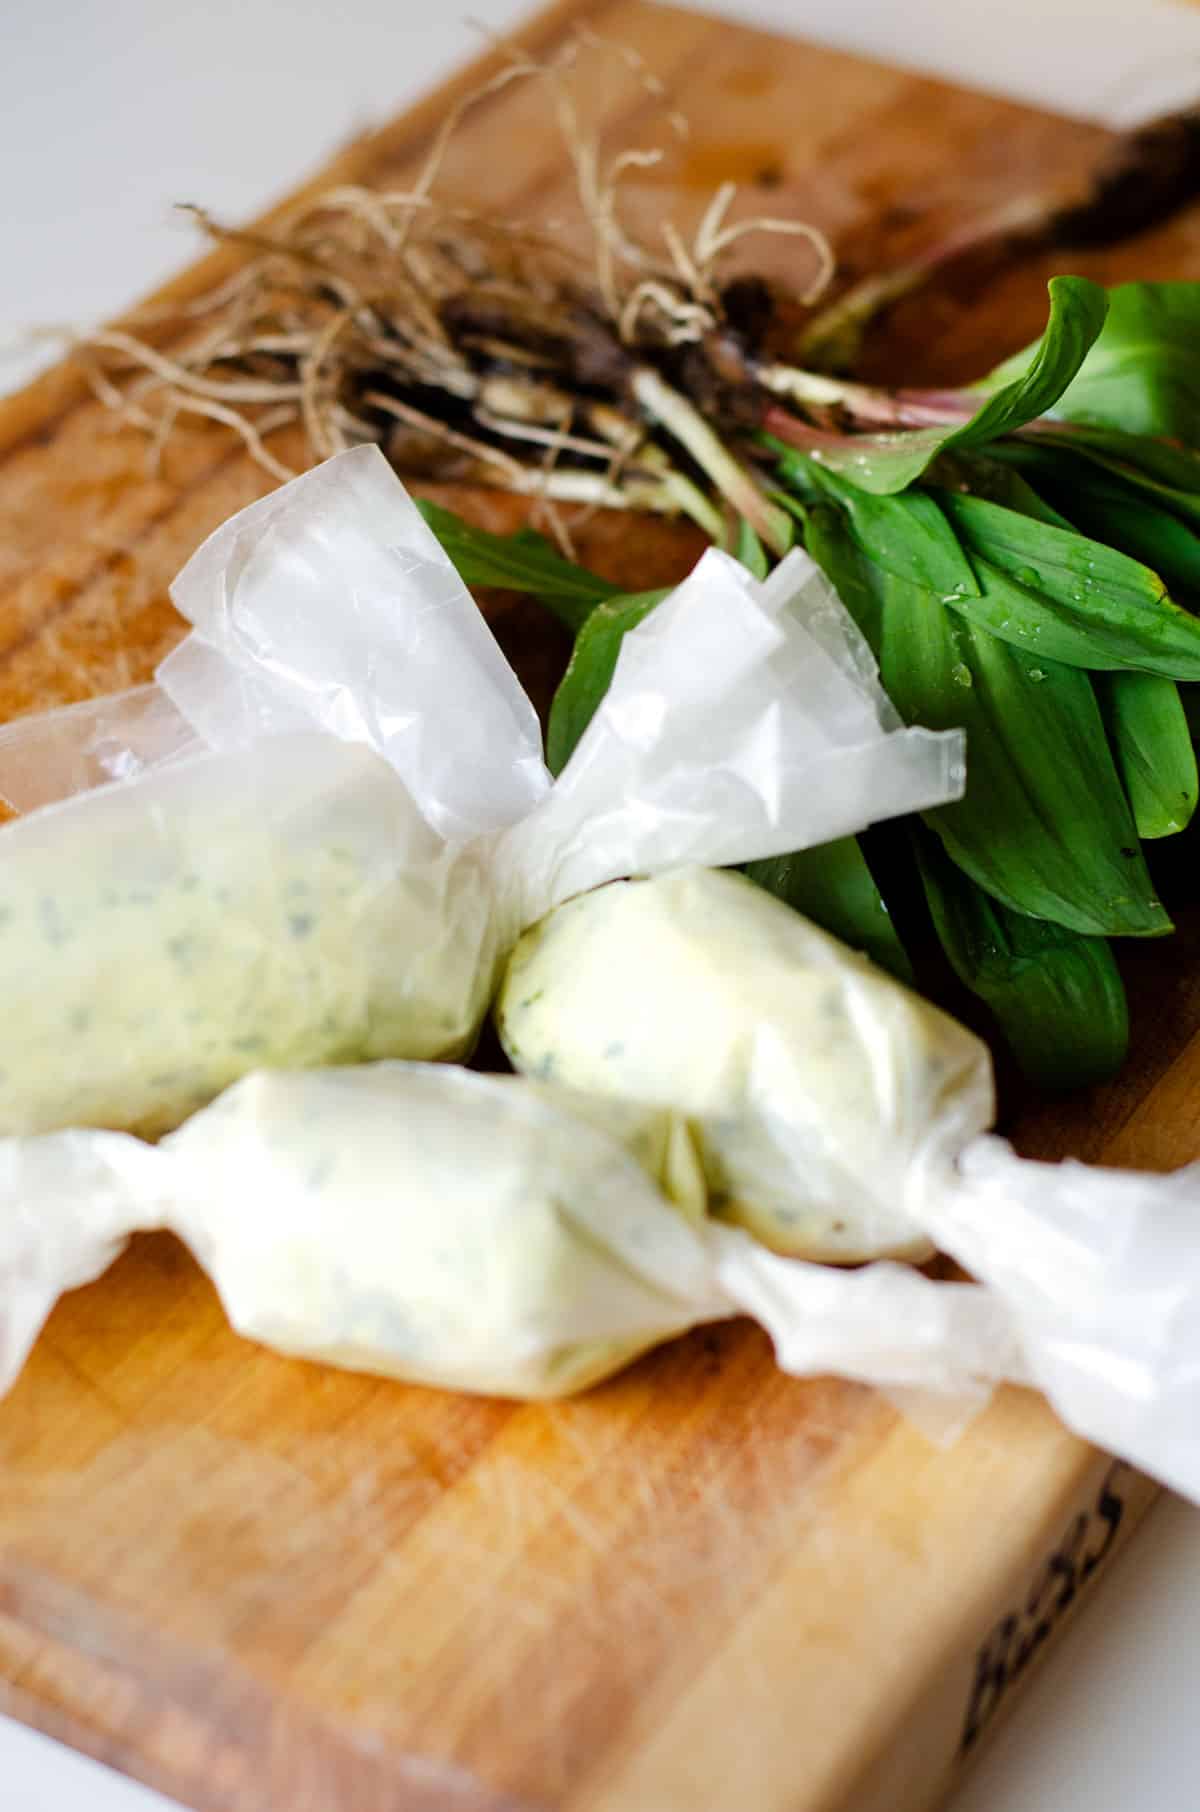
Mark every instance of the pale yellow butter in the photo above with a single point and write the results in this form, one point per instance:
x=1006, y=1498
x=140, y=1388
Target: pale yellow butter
x=285, y=907
x=821, y=1091
x=468, y=1231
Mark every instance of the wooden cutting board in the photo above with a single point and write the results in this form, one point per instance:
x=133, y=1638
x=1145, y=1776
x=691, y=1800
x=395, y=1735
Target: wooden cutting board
x=261, y=1584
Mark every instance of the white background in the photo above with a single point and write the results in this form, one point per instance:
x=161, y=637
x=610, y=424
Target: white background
x=109, y=114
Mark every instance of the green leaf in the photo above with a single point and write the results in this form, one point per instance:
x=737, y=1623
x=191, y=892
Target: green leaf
x=1045, y=825
x=889, y=462
x=1057, y=995
x=590, y=670
x=1153, y=745
x=797, y=510
x=1020, y=393
x=999, y=481
x=521, y=562
x=1104, y=629
x=1027, y=619
x=1169, y=476
x=1142, y=374
x=828, y=539
x=1060, y=594
x=833, y=886
x=751, y=552
x=1111, y=509
x=908, y=535
x=1069, y=568
x=797, y=472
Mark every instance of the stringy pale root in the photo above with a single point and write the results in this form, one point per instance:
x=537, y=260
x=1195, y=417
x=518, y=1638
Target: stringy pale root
x=395, y=316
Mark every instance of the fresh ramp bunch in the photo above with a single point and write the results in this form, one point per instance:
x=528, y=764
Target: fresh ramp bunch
x=1022, y=556
x=321, y=831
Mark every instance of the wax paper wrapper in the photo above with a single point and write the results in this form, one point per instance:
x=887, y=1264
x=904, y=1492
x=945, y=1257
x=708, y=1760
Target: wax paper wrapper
x=837, y=1114
x=317, y=836
x=483, y=1233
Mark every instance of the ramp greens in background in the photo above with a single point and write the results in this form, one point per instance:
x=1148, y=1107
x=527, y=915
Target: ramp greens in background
x=1026, y=566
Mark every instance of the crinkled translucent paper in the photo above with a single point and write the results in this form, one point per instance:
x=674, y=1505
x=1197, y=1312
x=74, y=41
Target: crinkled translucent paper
x=333, y=602
x=68, y=1202
x=1099, y=1271
x=481, y=1233
x=314, y=840
x=119, y=737
x=741, y=716
x=839, y=1115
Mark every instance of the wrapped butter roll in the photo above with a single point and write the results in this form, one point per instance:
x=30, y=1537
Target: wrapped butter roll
x=157, y=941
x=443, y=1227
x=823, y=1093
x=492, y=1234
x=482, y=1233
x=316, y=838
x=836, y=1113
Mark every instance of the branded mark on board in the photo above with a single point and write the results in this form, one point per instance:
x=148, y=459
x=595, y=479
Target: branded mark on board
x=1013, y=1642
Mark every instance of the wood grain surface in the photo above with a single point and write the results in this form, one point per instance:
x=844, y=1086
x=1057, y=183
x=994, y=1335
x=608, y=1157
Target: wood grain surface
x=263, y=1585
